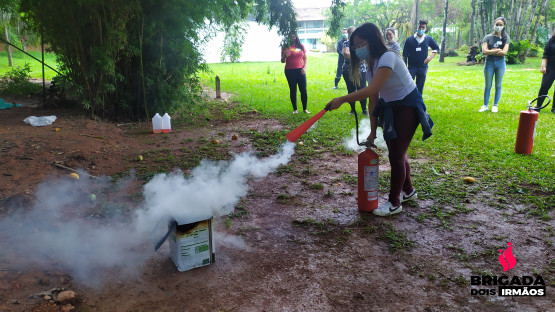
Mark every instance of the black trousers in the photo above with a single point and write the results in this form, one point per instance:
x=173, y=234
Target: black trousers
x=352, y=88
x=296, y=78
x=340, y=62
x=547, y=82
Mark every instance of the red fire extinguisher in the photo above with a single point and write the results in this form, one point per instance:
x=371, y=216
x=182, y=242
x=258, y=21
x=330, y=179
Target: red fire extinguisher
x=527, y=127
x=368, y=171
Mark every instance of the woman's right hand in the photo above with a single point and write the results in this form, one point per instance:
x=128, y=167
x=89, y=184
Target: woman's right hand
x=335, y=103
x=543, y=70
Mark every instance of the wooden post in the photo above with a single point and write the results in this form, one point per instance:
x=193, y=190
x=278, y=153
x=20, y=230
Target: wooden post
x=218, y=96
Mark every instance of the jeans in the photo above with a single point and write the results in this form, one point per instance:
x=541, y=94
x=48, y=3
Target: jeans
x=420, y=74
x=352, y=88
x=294, y=78
x=547, y=82
x=491, y=68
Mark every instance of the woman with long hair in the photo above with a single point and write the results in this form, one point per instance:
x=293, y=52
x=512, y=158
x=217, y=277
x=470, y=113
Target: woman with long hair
x=495, y=46
x=294, y=58
x=396, y=106
x=548, y=70
x=391, y=41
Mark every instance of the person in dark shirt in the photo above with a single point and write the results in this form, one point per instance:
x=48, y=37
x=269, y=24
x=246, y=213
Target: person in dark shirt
x=548, y=71
x=495, y=46
x=340, y=58
x=352, y=86
x=415, y=54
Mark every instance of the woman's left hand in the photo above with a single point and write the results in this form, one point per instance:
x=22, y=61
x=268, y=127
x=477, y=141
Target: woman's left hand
x=334, y=104
x=303, y=71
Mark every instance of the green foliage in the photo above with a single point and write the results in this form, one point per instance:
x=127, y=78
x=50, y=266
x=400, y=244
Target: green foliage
x=131, y=59
x=517, y=51
x=233, y=42
x=16, y=82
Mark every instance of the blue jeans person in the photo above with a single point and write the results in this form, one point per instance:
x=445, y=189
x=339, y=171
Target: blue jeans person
x=490, y=68
x=420, y=74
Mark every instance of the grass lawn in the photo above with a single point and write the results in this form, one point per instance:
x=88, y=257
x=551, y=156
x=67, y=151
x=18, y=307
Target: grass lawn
x=19, y=59
x=465, y=142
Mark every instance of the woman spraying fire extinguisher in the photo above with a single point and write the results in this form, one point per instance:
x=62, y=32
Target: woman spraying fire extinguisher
x=396, y=106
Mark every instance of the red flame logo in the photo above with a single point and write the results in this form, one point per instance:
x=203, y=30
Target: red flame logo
x=506, y=258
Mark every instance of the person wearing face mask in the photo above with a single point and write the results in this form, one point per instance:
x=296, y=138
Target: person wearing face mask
x=361, y=83
x=391, y=42
x=396, y=106
x=340, y=58
x=415, y=54
x=294, y=58
x=494, y=47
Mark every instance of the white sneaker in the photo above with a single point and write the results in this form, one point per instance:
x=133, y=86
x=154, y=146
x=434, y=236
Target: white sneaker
x=483, y=109
x=406, y=197
x=387, y=209
x=494, y=109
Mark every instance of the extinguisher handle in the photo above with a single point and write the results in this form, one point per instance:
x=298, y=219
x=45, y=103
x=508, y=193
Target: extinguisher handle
x=531, y=107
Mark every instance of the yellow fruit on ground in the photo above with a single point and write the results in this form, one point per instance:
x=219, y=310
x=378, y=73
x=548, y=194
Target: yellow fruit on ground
x=93, y=197
x=234, y=137
x=140, y=158
x=215, y=141
x=301, y=143
x=469, y=180
x=74, y=175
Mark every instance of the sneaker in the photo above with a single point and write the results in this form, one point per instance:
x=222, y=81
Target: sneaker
x=406, y=197
x=387, y=209
x=483, y=109
x=553, y=111
x=295, y=112
x=335, y=87
x=494, y=109
x=306, y=112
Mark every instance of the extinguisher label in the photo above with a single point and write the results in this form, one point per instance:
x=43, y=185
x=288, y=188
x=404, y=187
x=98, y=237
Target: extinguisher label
x=535, y=125
x=371, y=178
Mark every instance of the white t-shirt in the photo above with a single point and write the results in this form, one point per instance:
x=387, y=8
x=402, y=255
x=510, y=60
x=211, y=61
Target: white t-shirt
x=399, y=84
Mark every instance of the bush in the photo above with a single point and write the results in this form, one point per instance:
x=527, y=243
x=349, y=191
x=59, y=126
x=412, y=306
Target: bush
x=463, y=49
x=517, y=51
x=16, y=82
x=451, y=52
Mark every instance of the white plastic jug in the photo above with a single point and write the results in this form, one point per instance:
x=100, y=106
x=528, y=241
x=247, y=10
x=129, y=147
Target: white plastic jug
x=157, y=123
x=166, y=123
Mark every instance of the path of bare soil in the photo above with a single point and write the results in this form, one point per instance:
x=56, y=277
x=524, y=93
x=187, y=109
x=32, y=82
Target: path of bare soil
x=305, y=248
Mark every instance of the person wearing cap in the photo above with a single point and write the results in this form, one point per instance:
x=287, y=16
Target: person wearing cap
x=415, y=54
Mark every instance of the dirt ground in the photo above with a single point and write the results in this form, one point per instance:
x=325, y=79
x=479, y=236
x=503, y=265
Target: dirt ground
x=304, y=248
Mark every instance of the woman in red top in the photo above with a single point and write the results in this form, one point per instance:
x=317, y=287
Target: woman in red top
x=294, y=58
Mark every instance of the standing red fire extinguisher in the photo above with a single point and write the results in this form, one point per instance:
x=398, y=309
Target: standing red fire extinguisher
x=368, y=171
x=527, y=127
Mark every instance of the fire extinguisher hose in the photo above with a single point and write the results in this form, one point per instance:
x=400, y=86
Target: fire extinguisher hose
x=531, y=107
x=365, y=143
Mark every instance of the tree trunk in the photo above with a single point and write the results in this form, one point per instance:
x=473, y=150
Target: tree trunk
x=494, y=11
x=414, y=16
x=8, y=48
x=510, y=20
x=518, y=21
x=482, y=20
x=531, y=12
x=472, y=22
x=444, y=34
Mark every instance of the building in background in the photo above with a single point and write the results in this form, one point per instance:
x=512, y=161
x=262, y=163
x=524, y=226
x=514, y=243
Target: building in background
x=262, y=44
x=312, y=26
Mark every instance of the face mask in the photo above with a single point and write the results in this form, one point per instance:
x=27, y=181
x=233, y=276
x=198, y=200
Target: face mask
x=420, y=32
x=345, y=36
x=362, y=53
x=498, y=28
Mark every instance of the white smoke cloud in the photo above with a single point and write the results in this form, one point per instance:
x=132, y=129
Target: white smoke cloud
x=363, y=132
x=58, y=228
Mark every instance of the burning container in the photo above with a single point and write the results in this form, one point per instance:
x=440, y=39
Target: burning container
x=191, y=242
